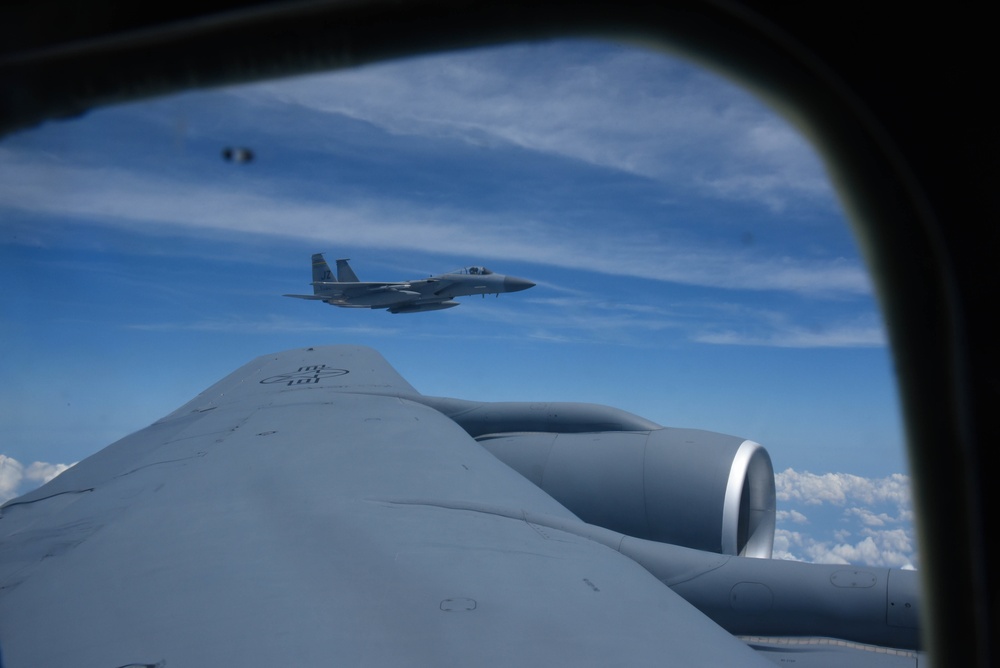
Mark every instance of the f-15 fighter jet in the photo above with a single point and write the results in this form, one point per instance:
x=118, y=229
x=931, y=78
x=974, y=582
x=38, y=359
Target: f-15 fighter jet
x=425, y=294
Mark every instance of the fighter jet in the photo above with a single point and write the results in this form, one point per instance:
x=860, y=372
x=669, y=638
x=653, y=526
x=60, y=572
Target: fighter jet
x=426, y=294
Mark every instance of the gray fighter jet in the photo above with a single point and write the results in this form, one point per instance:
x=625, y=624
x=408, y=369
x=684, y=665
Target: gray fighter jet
x=314, y=508
x=425, y=294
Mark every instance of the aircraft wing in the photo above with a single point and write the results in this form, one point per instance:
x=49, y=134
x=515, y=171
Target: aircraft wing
x=321, y=298
x=307, y=509
x=379, y=295
x=358, y=289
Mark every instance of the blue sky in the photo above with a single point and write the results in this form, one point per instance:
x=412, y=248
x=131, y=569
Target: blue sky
x=693, y=264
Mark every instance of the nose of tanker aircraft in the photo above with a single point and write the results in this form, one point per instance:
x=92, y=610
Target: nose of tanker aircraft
x=514, y=284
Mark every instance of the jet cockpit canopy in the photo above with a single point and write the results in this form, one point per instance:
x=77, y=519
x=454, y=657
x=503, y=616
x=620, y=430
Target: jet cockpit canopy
x=474, y=271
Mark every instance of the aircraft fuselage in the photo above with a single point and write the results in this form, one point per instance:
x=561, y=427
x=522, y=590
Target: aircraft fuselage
x=428, y=294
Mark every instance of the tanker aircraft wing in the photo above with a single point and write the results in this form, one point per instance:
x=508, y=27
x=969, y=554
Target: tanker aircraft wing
x=427, y=294
x=313, y=507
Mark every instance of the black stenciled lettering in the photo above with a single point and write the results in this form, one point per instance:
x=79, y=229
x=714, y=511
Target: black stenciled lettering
x=305, y=375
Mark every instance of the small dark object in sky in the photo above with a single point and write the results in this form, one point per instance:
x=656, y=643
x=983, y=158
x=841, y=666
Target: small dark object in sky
x=237, y=154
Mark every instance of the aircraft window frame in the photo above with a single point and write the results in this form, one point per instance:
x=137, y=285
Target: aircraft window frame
x=747, y=41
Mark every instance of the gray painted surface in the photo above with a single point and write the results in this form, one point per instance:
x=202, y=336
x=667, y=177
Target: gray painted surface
x=425, y=294
x=313, y=508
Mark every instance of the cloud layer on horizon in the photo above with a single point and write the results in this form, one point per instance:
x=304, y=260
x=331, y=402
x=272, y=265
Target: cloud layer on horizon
x=840, y=518
x=873, y=526
x=17, y=479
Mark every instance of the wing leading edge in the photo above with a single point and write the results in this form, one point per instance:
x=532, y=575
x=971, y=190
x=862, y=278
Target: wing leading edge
x=309, y=506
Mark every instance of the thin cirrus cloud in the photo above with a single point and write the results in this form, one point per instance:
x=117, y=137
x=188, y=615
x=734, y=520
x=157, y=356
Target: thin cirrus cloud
x=627, y=110
x=835, y=336
x=632, y=111
x=120, y=198
x=264, y=324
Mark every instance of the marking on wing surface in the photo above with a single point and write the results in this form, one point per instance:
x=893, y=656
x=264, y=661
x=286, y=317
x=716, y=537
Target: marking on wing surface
x=458, y=605
x=164, y=461
x=306, y=375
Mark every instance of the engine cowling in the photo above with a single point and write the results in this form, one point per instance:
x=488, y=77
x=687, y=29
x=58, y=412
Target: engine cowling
x=687, y=487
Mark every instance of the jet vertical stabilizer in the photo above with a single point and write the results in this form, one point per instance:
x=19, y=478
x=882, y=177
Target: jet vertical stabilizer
x=344, y=272
x=321, y=273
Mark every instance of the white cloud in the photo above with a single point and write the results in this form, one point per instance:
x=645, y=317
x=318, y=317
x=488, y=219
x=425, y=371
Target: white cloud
x=874, y=550
x=835, y=336
x=841, y=488
x=16, y=480
x=869, y=518
x=741, y=325
x=591, y=318
x=793, y=516
x=864, y=552
x=630, y=110
x=11, y=475
x=42, y=472
x=145, y=202
x=264, y=324
x=852, y=519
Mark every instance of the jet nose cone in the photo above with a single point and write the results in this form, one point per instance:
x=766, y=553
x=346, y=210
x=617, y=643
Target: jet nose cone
x=514, y=284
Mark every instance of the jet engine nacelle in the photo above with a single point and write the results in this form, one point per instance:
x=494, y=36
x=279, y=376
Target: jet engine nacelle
x=687, y=487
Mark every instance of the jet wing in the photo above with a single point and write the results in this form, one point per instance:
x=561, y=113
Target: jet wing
x=359, y=289
x=377, y=295
x=307, y=510
x=321, y=298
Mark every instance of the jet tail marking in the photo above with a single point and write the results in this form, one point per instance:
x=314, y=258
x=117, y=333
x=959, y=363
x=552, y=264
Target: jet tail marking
x=321, y=273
